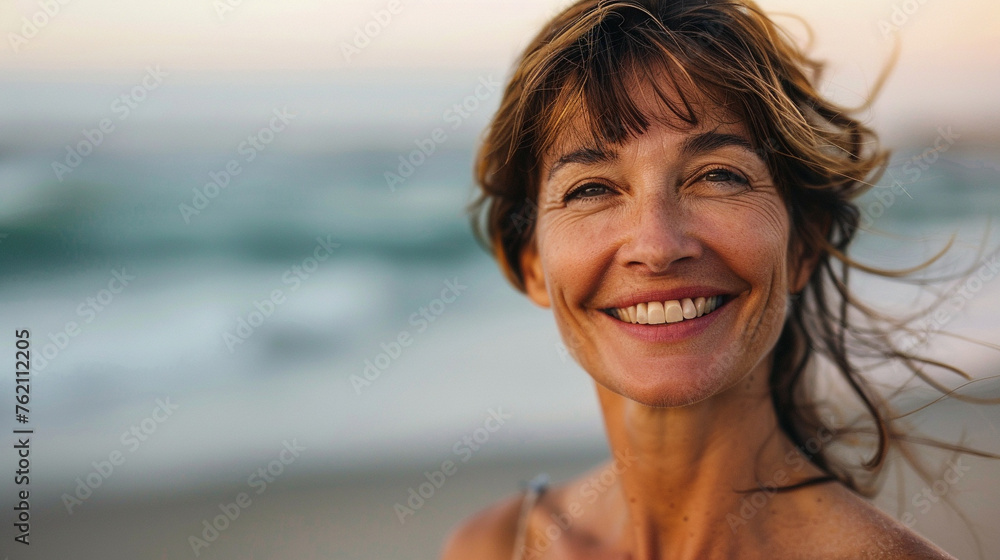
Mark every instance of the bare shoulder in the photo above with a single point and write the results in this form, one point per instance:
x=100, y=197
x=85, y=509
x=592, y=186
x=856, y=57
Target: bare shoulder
x=491, y=533
x=848, y=526
x=488, y=534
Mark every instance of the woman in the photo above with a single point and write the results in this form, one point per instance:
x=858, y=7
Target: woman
x=666, y=178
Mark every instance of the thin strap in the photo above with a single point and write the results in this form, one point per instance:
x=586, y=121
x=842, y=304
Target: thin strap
x=536, y=487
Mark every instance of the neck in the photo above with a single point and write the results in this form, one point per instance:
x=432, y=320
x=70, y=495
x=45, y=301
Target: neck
x=687, y=465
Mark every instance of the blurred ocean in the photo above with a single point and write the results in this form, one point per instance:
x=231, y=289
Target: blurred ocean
x=320, y=181
x=197, y=283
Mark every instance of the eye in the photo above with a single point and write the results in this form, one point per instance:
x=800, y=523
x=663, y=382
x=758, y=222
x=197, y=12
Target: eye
x=587, y=191
x=722, y=175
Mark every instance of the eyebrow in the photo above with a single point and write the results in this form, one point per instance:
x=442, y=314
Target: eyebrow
x=697, y=144
x=584, y=156
x=711, y=141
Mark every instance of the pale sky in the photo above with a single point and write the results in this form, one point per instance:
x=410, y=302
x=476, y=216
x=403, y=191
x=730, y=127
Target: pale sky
x=309, y=34
x=948, y=73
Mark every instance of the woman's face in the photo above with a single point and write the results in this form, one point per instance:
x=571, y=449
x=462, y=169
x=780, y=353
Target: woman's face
x=638, y=232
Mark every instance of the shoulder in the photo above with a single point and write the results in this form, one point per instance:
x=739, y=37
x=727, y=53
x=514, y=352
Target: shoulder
x=486, y=535
x=491, y=533
x=849, y=526
x=885, y=537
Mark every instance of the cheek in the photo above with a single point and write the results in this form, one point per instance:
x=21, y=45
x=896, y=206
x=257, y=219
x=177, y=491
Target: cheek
x=576, y=251
x=751, y=235
x=756, y=250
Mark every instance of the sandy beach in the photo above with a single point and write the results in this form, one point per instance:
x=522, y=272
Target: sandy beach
x=352, y=516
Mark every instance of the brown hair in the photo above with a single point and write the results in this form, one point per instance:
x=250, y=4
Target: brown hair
x=820, y=157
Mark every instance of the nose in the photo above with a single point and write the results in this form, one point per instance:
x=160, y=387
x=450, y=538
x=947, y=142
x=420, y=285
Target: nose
x=659, y=236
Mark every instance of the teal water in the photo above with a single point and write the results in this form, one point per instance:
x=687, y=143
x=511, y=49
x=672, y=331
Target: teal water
x=174, y=330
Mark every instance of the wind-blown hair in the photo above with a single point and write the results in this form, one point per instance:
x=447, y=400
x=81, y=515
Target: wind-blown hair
x=819, y=155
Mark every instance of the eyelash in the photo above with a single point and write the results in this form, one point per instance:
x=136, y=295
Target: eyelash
x=733, y=177
x=578, y=191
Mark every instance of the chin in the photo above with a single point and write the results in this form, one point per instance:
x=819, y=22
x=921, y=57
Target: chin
x=663, y=383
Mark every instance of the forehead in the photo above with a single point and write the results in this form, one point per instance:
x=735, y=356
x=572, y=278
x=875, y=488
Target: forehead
x=583, y=119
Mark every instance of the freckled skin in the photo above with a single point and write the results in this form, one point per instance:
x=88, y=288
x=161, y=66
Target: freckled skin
x=660, y=226
x=694, y=415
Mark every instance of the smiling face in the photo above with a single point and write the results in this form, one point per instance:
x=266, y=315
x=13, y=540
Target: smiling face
x=636, y=233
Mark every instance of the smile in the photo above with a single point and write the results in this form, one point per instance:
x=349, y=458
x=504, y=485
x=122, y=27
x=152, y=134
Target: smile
x=664, y=312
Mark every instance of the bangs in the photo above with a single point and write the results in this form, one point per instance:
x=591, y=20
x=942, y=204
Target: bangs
x=619, y=78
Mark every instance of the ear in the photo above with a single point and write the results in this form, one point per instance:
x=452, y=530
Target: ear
x=801, y=269
x=534, y=275
x=805, y=259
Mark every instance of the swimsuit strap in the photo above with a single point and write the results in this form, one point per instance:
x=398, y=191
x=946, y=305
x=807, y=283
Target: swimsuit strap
x=536, y=487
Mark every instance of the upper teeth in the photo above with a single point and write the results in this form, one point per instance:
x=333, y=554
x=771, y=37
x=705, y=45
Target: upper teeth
x=674, y=311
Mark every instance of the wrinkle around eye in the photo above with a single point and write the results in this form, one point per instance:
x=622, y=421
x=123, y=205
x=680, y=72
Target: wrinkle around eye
x=768, y=211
